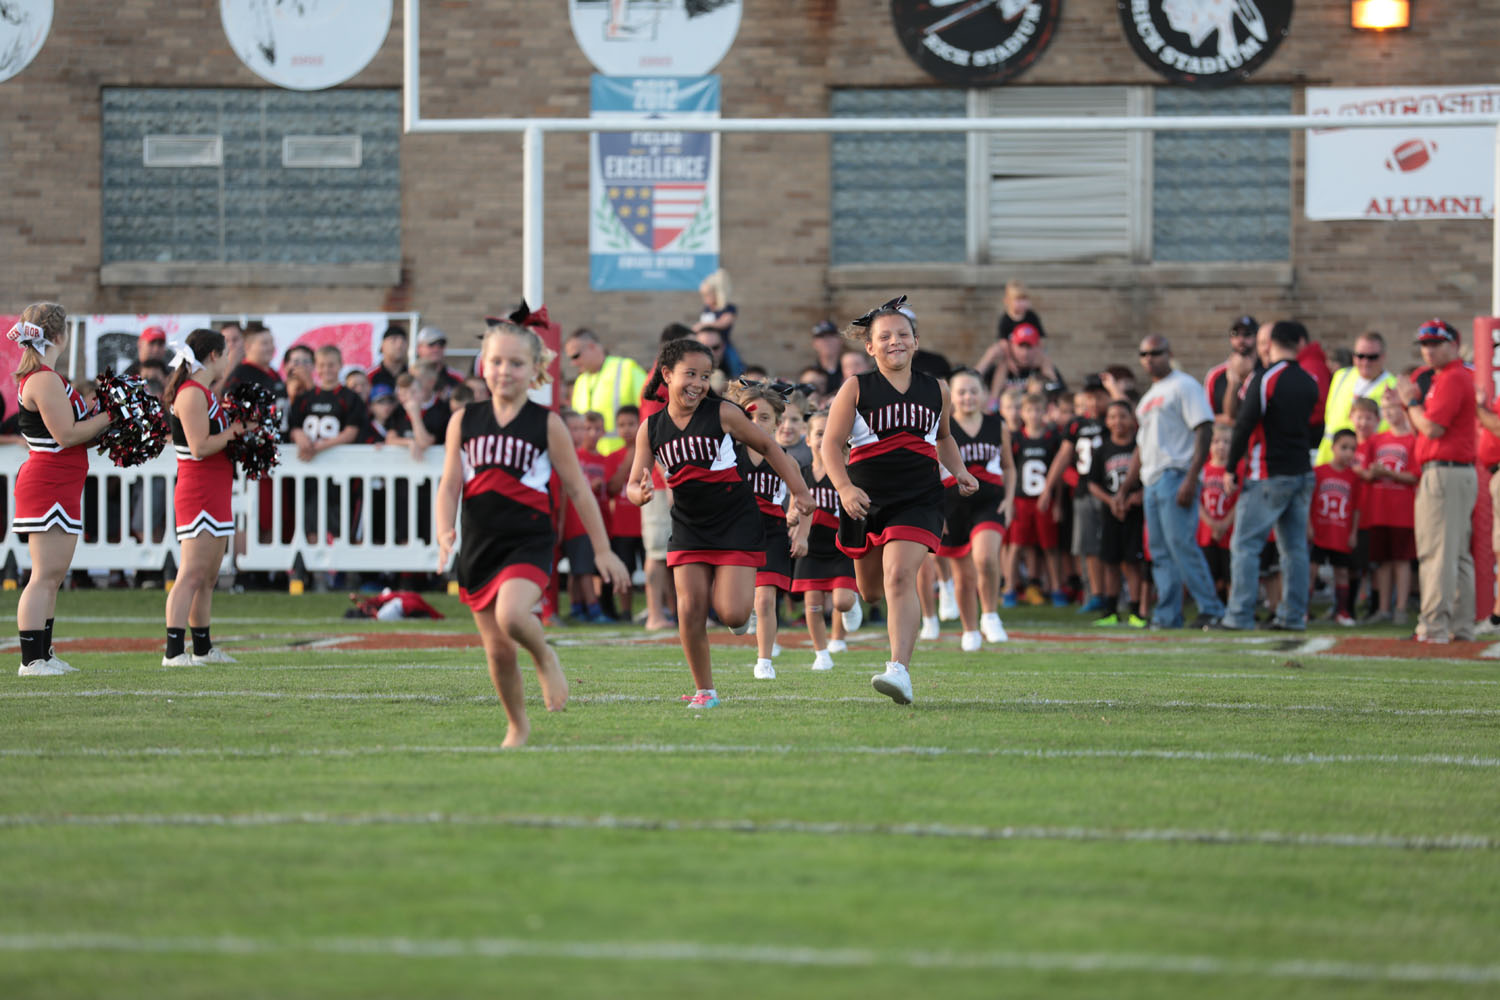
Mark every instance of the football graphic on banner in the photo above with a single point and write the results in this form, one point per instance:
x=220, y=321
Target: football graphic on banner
x=306, y=44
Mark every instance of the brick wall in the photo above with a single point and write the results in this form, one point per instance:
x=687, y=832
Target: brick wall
x=462, y=194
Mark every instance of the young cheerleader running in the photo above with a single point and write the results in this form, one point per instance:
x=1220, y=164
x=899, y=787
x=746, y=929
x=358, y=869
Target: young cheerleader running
x=49, y=487
x=205, y=477
x=499, y=456
x=822, y=571
x=765, y=406
x=974, y=528
x=718, y=539
x=895, y=420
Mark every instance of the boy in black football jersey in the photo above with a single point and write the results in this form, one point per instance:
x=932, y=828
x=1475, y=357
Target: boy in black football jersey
x=421, y=420
x=321, y=418
x=1082, y=436
x=1122, y=547
x=1033, y=529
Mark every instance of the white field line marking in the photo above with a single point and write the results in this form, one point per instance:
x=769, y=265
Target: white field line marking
x=1318, y=644
x=607, y=699
x=834, y=828
x=1108, y=963
x=667, y=749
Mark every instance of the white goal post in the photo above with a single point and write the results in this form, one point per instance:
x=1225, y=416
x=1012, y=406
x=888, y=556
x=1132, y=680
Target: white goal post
x=534, y=130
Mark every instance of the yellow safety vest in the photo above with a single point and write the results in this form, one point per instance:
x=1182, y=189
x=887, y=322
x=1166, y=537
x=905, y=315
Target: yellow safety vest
x=1338, y=413
x=617, y=382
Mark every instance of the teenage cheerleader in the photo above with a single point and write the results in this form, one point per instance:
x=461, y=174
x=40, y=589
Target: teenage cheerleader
x=822, y=572
x=765, y=406
x=718, y=538
x=974, y=527
x=499, y=457
x=205, y=477
x=49, y=486
x=895, y=420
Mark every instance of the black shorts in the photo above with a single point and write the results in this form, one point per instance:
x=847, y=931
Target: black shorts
x=631, y=550
x=1123, y=541
x=580, y=555
x=1218, y=562
x=919, y=519
x=964, y=517
x=1338, y=560
x=777, y=572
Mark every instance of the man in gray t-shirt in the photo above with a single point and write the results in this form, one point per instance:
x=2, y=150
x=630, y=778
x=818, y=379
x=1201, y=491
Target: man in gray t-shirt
x=1171, y=447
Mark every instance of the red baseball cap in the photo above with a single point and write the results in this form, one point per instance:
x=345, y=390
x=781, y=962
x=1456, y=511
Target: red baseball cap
x=153, y=333
x=1026, y=335
x=1435, y=331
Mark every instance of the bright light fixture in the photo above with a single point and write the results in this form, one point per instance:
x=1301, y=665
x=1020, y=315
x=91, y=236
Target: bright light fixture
x=1380, y=15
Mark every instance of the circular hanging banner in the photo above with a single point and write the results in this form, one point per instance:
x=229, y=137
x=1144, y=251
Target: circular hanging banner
x=306, y=44
x=23, y=31
x=973, y=42
x=1206, y=43
x=654, y=37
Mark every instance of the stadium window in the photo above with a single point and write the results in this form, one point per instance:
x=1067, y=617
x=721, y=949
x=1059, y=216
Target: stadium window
x=246, y=186
x=1062, y=196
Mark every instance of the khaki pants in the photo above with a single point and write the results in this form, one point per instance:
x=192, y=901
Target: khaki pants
x=1445, y=506
x=656, y=525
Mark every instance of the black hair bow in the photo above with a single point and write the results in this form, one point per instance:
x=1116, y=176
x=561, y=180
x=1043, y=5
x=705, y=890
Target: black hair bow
x=882, y=310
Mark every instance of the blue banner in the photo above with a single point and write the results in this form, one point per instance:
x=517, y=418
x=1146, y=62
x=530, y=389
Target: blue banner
x=653, y=195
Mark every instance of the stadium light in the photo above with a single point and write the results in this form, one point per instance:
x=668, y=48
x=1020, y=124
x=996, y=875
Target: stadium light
x=1380, y=15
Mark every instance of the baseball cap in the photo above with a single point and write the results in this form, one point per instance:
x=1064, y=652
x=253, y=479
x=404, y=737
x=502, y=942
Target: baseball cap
x=1245, y=324
x=1026, y=335
x=380, y=391
x=153, y=333
x=1091, y=382
x=393, y=331
x=825, y=328
x=431, y=335
x=1435, y=331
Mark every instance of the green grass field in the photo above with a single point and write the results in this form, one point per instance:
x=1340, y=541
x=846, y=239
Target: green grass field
x=1119, y=816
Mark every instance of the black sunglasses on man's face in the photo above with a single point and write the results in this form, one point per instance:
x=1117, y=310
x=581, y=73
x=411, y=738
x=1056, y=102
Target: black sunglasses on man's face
x=1367, y=357
x=1154, y=354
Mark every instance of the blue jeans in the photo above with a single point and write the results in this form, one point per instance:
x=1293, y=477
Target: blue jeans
x=1176, y=560
x=1281, y=502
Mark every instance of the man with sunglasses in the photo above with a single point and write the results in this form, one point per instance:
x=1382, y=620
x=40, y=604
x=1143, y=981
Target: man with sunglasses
x=1171, y=449
x=605, y=383
x=1367, y=377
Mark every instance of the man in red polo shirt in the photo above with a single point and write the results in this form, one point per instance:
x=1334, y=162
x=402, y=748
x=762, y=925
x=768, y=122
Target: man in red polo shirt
x=1447, y=426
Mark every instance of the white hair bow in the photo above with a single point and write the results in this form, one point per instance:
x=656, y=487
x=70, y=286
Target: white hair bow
x=184, y=356
x=29, y=335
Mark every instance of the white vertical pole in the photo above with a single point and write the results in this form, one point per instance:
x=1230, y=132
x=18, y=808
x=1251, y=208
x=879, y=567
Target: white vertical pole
x=1495, y=235
x=411, y=68
x=532, y=225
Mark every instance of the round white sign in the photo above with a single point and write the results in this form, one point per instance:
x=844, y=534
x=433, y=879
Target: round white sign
x=23, y=30
x=305, y=44
x=654, y=37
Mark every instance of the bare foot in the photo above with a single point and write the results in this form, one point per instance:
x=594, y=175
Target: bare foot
x=515, y=737
x=660, y=626
x=554, y=684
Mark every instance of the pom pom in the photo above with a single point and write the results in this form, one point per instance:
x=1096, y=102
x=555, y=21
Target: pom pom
x=256, y=451
x=138, y=430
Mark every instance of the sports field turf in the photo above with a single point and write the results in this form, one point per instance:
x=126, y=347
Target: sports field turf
x=1124, y=815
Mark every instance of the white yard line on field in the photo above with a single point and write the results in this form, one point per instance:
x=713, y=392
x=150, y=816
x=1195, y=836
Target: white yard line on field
x=618, y=698
x=689, y=749
x=1084, y=963
x=939, y=831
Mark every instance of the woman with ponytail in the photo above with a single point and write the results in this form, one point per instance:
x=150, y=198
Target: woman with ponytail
x=49, y=487
x=205, y=477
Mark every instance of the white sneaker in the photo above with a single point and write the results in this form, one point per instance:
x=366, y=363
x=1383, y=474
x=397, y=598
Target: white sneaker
x=837, y=646
x=854, y=617
x=947, y=602
x=214, y=655
x=749, y=626
x=764, y=671
x=775, y=649
x=821, y=660
x=930, y=629
x=971, y=642
x=992, y=627
x=180, y=660
x=1486, y=627
x=895, y=683
x=39, y=668
x=62, y=666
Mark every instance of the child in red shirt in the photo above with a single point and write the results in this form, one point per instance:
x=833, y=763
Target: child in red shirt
x=583, y=584
x=623, y=518
x=1333, y=520
x=1216, y=508
x=1388, y=515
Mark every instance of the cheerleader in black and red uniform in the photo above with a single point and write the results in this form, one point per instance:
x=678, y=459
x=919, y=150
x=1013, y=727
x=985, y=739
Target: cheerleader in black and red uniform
x=200, y=502
x=718, y=539
x=49, y=486
x=895, y=421
x=822, y=572
x=499, y=457
x=774, y=578
x=973, y=526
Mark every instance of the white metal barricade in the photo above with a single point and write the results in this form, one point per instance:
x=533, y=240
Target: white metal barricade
x=364, y=508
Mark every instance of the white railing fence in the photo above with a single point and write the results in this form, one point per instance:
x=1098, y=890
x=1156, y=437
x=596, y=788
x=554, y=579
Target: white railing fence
x=363, y=508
